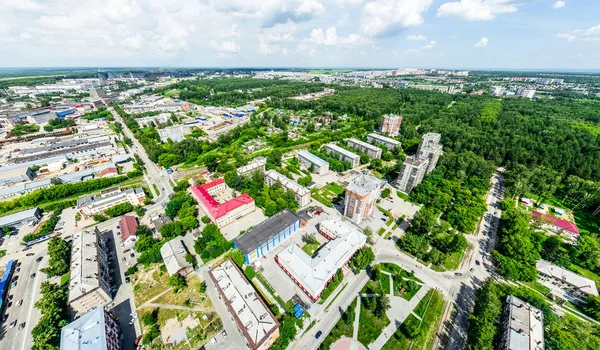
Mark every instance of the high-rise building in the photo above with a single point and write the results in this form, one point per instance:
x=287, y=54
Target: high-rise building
x=361, y=197
x=522, y=327
x=390, y=124
x=411, y=174
x=430, y=149
x=96, y=330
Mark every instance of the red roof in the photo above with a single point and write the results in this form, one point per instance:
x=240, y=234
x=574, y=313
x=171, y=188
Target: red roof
x=128, y=226
x=108, y=171
x=563, y=224
x=215, y=209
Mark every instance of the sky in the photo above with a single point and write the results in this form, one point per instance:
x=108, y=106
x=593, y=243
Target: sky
x=469, y=34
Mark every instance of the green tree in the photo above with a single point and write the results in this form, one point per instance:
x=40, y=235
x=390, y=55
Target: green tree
x=362, y=259
x=177, y=282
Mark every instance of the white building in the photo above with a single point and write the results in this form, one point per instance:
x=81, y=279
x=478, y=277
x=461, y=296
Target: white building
x=343, y=154
x=173, y=253
x=312, y=274
x=96, y=330
x=302, y=193
x=257, y=164
x=389, y=143
x=308, y=159
x=361, y=197
x=156, y=119
x=522, y=326
x=411, y=174
x=497, y=90
x=565, y=284
x=93, y=204
x=430, y=149
x=176, y=132
x=370, y=150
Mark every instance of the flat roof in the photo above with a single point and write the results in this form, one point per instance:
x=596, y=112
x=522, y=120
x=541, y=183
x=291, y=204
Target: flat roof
x=584, y=284
x=86, y=332
x=384, y=139
x=287, y=182
x=315, y=273
x=85, y=272
x=364, y=184
x=18, y=217
x=259, y=234
x=342, y=151
x=252, y=316
x=364, y=144
x=312, y=158
x=415, y=161
x=525, y=325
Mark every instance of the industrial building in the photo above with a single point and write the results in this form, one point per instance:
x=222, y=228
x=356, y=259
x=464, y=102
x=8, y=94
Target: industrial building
x=173, y=253
x=21, y=218
x=93, y=204
x=302, y=193
x=344, y=155
x=251, y=315
x=565, y=284
x=15, y=176
x=387, y=142
x=370, y=150
x=222, y=214
x=430, y=149
x=96, y=330
x=361, y=197
x=260, y=239
x=522, y=326
x=90, y=285
x=156, y=119
x=309, y=160
x=411, y=174
x=257, y=164
x=176, y=132
x=390, y=123
x=312, y=274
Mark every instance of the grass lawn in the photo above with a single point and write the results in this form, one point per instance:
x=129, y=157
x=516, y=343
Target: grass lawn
x=341, y=328
x=370, y=326
x=381, y=231
x=389, y=234
x=328, y=194
x=148, y=282
x=384, y=281
x=450, y=263
x=64, y=279
x=397, y=270
x=538, y=287
x=310, y=248
x=190, y=294
x=586, y=273
x=406, y=289
x=430, y=309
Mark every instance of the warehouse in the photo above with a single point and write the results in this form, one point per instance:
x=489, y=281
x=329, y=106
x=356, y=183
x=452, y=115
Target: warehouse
x=21, y=218
x=263, y=237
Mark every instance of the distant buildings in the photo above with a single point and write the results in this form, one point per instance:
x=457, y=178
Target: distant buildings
x=257, y=164
x=411, y=174
x=344, y=155
x=90, y=285
x=173, y=253
x=387, y=142
x=390, y=123
x=252, y=317
x=260, y=239
x=127, y=227
x=312, y=274
x=222, y=214
x=17, y=175
x=308, y=159
x=21, y=218
x=361, y=197
x=565, y=284
x=497, y=90
x=96, y=330
x=176, y=132
x=93, y=204
x=430, y=149
x=302, y=193
x=370, y=150
x=522, y=326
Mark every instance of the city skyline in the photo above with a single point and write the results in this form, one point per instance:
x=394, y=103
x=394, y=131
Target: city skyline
x=543, y=35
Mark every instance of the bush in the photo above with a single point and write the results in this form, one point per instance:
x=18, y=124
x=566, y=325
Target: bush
x=149, y=318
x=119, y=209
x=249, y=272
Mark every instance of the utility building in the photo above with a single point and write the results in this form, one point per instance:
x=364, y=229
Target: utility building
x=361, y=197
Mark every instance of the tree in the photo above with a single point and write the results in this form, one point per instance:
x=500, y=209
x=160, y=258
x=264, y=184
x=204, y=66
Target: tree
x=592, y=306
x=171, y=229
x=362, y=259
x=309, y=238
x=56, y=181
x=149, y=318
x=274, y=159
x=190, y=258
x=382, y=304
x=189, y=223
x=139, y=210
x=177, y=282
x=385, y=193
x=205, y=219
x=60, y=257
x=143, y=230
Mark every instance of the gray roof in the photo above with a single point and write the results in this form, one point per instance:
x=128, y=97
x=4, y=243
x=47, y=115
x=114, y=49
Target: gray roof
x=86, y=332
x=29, y=214
x=259, y=234
x=364, y=184
x=173, y=253
x=312, y=158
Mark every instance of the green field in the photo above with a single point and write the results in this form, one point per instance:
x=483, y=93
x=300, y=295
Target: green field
x=370, y=326
x=310, y=248
x=328, y=194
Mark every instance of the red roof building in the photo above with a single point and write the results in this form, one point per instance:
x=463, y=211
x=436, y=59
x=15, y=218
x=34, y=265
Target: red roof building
x=222, y=213
x=128, y=227
x=109, y=172
x=558, y=223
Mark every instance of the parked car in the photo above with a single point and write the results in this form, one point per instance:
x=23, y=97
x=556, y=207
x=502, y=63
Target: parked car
x=477, y=262
x=318, y=335
x=213, y=340
x=132, y=255
x=4, y=317
x=458, y=274
x=224, y=334
x=22, y=325
x=20, y=302
x=127, y=279
x=14, y=284
x=12, y=324
x=29, y=254
x=136, y=342
x=39, y=259
x=32, y=275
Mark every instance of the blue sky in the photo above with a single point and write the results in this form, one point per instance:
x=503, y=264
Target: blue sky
x=510, y=34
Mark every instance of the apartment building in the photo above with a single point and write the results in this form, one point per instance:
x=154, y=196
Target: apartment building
x=343, y=154
x=430, y=149
x=302, y=193
x=309, y=160
x=522, y=326
x=387, y=142
x=411, y=174
x=257, y=164
x=390, y=123
x=565, y=284
x=361, y=197
x=222, y=214
x=370, y=150
x=97, y=330
x=93, y=204
x=90, y=285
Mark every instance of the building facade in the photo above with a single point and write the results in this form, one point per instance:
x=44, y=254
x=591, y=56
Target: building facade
x=260, y=239
x=222, y=214
x=387, y=142
x=302, y=193
x=430, y=149
x=390, y=123
x=344, y=155
x=361, y=197
x=411, y=174
x=96, y=330
x=257, y=164
x=309, y=160
x=370, y=150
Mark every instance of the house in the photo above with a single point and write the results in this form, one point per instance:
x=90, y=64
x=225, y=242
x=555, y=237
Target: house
x=173, y=253
x=127, y=227
x=558, y=226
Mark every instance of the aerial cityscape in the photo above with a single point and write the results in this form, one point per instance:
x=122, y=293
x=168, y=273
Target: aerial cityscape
x=334, y=187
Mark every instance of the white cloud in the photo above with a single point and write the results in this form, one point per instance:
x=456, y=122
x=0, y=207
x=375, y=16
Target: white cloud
x=229, y=46
x=382, y=18
x=270, y=12
x=559, y=4
x=482, y=42
x=429, y=46
x=21, y=5
x=271, y=40
x=476, y=10
x=330, y=38
x=134, y=42
x=590, y=34
x=416, y=37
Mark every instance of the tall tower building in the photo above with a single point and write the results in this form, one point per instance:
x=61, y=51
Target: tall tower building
x=361, y=197
x=411, y=174
x=390, y=124
x=430, y=149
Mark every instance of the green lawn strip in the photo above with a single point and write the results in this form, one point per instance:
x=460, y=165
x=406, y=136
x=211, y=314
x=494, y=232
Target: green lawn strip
x=270, y=289
x=384, y=281
x=332, y=285
x=452, y=261
x=370, y=326
x=388, y=214
x=335, y=297
x=540, y=288
x=310, y=248
x=381, y=231
x=335, y=188
x=156, y=189
x=64, y=279
x=343, y=328
x=389, y=234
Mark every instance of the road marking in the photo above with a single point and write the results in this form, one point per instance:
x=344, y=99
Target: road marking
x=33, y=294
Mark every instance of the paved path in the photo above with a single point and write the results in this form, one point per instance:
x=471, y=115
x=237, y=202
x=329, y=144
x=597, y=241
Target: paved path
x=177, y=307
x=356, y=319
